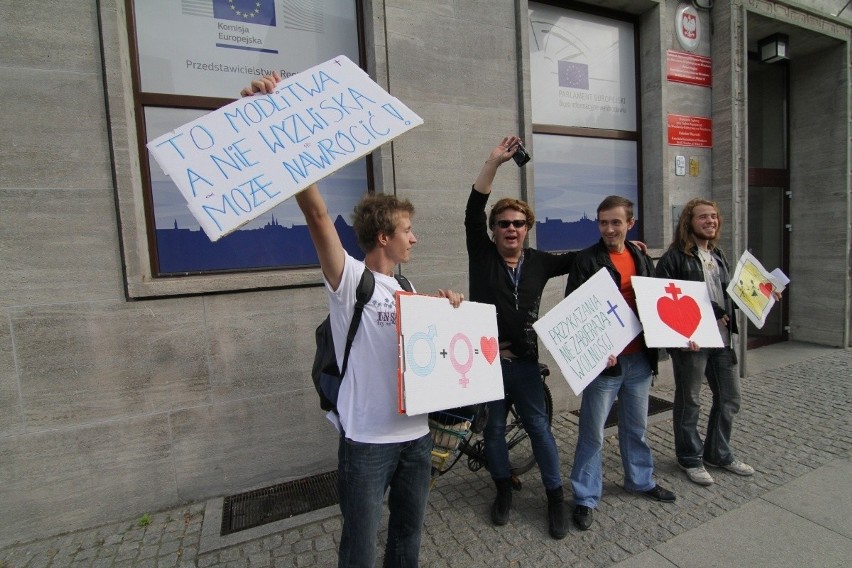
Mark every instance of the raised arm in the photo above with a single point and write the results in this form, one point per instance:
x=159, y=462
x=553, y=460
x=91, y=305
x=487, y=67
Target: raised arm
x=323, y=234
x=498, y=155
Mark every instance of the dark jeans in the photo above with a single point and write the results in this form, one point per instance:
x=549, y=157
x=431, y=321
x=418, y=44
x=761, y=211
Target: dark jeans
x=690, y=368
x=365, y=472
x=523, y=384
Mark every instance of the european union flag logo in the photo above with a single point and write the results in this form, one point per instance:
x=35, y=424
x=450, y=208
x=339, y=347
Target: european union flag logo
x=574, y=75
x=246, y=11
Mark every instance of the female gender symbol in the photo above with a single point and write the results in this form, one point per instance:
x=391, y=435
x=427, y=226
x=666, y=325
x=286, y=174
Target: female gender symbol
x=461, y=368
x=411, y=362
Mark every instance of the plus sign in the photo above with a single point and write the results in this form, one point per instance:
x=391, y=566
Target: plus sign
x=337, y=61
x=613, y=312
x=443, y=353
x=673, y=290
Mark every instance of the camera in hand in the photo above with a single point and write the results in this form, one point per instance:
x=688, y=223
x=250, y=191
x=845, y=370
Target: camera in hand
x=521, y=156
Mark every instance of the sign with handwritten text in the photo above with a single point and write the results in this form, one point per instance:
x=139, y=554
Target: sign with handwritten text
x=448, y=357
x=245, y=158
x=584, y=329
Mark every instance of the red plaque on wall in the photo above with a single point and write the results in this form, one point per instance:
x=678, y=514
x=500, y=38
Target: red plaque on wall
x=690, y=131
x=682, y=67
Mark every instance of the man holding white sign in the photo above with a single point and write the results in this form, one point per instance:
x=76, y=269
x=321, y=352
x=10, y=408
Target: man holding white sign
x=694, y=255
x=628, y=376
x=378, y=447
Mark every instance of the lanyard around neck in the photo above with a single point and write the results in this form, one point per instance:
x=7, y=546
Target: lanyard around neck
x=514, y=275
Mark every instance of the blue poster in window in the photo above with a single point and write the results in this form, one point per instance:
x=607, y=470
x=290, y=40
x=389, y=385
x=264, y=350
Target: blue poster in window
x=276, y=239
x=572, y=176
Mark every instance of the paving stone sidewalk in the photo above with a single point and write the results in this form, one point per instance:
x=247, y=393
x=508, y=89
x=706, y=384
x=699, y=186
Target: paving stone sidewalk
x=794, y=419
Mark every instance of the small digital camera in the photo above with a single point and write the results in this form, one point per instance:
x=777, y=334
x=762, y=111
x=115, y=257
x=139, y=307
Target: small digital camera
x=521, y=156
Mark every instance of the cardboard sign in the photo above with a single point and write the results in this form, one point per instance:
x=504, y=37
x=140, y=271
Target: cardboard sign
x=242, y=160
x=675, y=312
x=751, y=288
x=448, y=357
x=584, y=329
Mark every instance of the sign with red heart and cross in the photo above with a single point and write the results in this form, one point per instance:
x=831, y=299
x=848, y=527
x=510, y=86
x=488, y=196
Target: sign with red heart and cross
x=675, y=312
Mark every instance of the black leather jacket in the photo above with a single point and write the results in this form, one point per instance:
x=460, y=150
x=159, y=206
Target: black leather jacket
x=592, y=259
x=680, y=265
x=490, y=282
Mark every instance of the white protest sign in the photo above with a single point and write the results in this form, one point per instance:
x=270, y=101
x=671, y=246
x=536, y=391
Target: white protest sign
x=751, y=288
x=675, y=312
x=449, y=357
x=585, y=328
x=242, y=160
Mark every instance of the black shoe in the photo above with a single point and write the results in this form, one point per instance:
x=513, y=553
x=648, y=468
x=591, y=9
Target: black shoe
x=502, y=503
x=659, y=494
x=583, y=517
x=556, y=524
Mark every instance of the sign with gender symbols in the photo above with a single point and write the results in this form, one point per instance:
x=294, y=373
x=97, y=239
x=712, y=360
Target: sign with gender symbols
x=675, y=312
x=448, y=357
x=245, y=158
x=585, y=328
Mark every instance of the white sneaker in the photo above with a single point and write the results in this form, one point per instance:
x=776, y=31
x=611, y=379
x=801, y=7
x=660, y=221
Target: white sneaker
x=697, y=474
x=736, y=466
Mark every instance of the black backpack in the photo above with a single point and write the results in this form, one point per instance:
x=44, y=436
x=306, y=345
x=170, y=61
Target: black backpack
x=325, y=372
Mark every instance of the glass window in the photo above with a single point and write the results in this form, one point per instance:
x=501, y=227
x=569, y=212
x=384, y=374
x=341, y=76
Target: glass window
x=193, y=57
x=584, y=111
x=572, y=176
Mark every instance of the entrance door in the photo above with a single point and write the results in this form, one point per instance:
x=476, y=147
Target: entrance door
x=768, y=184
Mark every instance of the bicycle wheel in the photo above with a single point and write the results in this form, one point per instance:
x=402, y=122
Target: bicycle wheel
x=521, y=458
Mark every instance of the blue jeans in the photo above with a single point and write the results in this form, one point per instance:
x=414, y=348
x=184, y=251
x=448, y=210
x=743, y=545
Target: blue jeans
x=719, y=365
x=365, y=471
x=523, y=385
x=631, y=387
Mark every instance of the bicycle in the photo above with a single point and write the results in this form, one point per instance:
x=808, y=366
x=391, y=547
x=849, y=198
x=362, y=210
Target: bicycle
x=455, y=436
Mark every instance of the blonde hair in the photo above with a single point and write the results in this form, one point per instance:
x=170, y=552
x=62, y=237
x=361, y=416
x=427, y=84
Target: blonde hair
x=515, y=205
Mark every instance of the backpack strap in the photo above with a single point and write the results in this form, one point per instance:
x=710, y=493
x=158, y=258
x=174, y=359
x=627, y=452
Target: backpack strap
x=363, y=293
x=403, y=281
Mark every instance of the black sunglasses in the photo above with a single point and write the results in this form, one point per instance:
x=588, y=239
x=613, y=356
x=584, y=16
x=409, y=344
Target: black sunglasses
x=516, y=223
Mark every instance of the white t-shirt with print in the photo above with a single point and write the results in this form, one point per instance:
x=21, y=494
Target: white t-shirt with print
x=367, y=401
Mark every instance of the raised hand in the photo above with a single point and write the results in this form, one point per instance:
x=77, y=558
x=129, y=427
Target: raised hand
x=508, y=146
x=264, y=85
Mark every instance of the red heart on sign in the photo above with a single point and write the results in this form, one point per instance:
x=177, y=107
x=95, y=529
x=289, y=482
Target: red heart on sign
x=766, y=289
x=681, y=314
x=489, y=348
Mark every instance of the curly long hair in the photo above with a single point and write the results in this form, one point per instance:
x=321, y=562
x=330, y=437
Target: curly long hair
x=683, y=234
x=376, y=214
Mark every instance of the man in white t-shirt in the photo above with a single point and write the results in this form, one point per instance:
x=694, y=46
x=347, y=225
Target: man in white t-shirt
x=379, y=448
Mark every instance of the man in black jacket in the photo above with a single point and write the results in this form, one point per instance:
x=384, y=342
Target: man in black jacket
x=694, y=255
x=512, y=278
x=627, y=377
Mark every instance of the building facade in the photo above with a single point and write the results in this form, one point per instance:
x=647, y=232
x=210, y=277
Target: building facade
x=123, y=391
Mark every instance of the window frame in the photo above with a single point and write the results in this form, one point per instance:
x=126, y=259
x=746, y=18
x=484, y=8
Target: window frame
x=605, y=133
x=132, y=175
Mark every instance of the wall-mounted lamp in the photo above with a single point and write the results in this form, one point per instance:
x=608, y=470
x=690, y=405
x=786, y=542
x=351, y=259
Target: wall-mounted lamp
x=773, y=48
x=706, y=4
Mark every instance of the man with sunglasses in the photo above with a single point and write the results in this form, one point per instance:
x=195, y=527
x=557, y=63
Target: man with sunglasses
x=512, y=278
